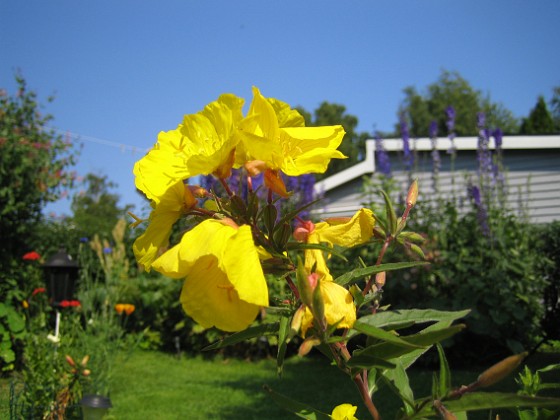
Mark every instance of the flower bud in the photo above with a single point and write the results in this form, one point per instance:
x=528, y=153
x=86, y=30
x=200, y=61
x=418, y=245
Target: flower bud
x=412, y=195
x=380, y=279
x=318, y=305
x=296, y=321
x=86, y=372
x=307, y=345
x=70, y=360
x=500, y=370
x=85, y=360
x=301, y=233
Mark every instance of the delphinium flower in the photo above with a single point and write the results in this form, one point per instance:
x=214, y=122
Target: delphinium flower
x=436, y=159
x=450, y=123
x=485, y=165
x=482, y=213
x=405, y=135
x=497, y=164
x=382, y=158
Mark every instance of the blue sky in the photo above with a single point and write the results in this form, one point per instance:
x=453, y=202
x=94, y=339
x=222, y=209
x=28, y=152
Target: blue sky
x=124, y=70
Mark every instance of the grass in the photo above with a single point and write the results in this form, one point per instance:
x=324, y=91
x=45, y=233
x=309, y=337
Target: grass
x=157, y=386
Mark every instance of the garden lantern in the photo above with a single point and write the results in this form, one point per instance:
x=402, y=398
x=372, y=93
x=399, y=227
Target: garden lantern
x=61, y=274
x=94, y=407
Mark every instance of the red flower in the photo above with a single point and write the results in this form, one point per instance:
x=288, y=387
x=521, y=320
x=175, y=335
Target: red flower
x=32, y=256
x=38, y=290
x=70, y=303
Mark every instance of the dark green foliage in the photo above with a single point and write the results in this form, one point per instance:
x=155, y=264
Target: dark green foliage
x=96, y=209
x=539, y=120
x=33, y=163
x=549, y=248
x=420, y=109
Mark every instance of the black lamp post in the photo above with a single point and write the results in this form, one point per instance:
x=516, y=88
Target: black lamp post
x=61, y=273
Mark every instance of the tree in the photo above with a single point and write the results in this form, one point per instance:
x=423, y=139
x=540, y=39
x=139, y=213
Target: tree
x=353, y=144
x=33, y=169
x=451, y=89
x=95, y=209
x=539, y=120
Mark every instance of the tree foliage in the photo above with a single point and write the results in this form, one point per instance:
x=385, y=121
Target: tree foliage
x=96, y=209
x=33, y=168
x=539, y=120
x=451, y=89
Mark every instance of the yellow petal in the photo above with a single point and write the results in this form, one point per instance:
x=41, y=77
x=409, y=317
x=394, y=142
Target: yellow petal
x=338, y=304
x=358, y=230
x=171, y=206
x=210, y=134
x=268, y=135
x=224, y=284
x=344, y=412
x=162, y=167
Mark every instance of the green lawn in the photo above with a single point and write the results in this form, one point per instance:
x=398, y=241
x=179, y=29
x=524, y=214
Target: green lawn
x=156, y=386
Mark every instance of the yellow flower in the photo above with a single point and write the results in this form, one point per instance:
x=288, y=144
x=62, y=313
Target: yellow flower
x=203, y=144
x=172, y=205
x=162, y=167
x=344, y=412
x=338, y=307
x=224, y=285
x=347, y=232
x=211, y=136
x=274, y=134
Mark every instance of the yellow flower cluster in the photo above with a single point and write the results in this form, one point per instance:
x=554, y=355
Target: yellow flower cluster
x=224, y=284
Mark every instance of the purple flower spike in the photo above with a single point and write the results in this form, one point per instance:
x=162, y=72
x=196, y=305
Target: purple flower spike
x=475, y=194
x=433, y=129
x=408, y=158
x=498, y=137
x=383, y=162
x=481, y=120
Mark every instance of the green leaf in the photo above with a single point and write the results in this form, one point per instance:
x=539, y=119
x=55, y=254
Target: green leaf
x=425, y=339
x=369, y=361
x=399, y=378
x=396, y=319
x=444, y=382
x=381, y=334
x=288, y=217
x=299, y=409
x=283, y=336
x=390, y=213
x=251, y=332
x=491, y=400
x=359, y=273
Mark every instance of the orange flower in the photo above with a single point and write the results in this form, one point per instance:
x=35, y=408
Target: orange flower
x=127, y=308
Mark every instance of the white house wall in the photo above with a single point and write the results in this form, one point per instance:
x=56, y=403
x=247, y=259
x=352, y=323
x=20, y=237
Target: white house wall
x=533, y=178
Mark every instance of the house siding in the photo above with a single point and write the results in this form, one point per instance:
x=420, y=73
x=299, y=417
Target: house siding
x=532, y=179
